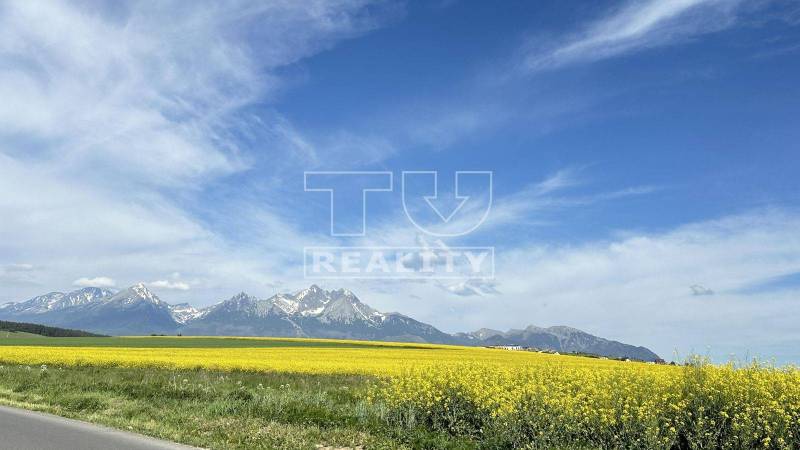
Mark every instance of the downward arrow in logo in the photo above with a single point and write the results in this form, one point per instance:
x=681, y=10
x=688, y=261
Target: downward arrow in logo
x=445, y=204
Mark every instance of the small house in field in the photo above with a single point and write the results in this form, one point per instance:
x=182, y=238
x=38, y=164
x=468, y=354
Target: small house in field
x=508, y=347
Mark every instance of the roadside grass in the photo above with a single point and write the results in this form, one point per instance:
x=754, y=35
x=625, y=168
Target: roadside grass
x=213, y=409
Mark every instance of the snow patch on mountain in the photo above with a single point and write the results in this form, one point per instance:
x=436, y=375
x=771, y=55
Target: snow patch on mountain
x=287, y=304
x=184, y=312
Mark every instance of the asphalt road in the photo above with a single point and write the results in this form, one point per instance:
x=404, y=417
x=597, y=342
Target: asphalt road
x=27, y=430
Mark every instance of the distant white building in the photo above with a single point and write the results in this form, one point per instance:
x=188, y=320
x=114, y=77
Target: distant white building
x=508, y=347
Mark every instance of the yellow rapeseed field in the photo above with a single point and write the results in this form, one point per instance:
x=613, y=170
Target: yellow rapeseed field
x=388, y=359
x=548, y=399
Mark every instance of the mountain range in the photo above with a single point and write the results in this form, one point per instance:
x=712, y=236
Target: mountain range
x=311, y=312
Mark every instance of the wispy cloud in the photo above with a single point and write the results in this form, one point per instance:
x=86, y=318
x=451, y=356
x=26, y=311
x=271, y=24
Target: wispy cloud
x=535, y=204
x=471, y=288
x=635, y=26
x=776, y=283
x=113, y=118
x=100, y=282
x=18, y=274
x=19, y=267
x=154, y=93
x=170, y=285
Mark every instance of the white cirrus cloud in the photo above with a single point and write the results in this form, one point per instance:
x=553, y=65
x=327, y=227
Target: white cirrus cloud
x=153, y=92
x=116, y=116
x=19, y=267
x=171, y=285
x=469, y=288
x=100, y=282
x=635, y=26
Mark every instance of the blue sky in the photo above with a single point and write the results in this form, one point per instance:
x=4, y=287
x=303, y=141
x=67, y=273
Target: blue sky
x=638, y=148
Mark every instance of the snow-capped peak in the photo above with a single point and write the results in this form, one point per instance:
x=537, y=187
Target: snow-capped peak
x=184, y=312
x=313, y=290
x=137, y=293
x=239, y=302
x=55, y=301
x=311, y=301
x=242, y=297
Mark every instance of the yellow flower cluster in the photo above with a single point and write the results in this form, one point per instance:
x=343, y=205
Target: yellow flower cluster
x=700, y=406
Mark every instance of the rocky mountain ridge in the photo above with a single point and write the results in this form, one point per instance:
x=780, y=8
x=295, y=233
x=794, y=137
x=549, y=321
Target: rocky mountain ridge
x=311, y=312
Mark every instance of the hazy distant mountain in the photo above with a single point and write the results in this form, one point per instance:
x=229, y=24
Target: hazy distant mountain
x=561, y=339
x=312, y=312
x=57, y=301
x=132, y=311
